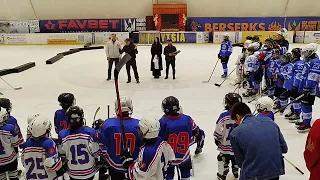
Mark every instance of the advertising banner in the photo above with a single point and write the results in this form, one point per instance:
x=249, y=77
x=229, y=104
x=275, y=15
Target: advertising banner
x=179, y=37
x=66, y=39
x=302, y=23
x=147, y=37
x=311, y=37
x=14, y=27
x=235, y=24
x=80, y=25
x=15, y=39
x=133, y=25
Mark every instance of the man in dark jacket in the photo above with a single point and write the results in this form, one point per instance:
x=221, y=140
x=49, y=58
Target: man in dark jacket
x=257, y=144
x=170, y=54
x=131, y=49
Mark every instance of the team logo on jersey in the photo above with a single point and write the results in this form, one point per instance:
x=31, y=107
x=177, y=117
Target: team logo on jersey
x=143, y=165
x=52, y=151
x=97, y=135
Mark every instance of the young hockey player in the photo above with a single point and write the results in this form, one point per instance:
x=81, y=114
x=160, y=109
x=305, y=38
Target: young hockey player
x=224, y=54
x=241, y=59
x=40, y=150
x=264, y=107
x=10, y=139
x=80, y=146
x=281, y=100
x=256, y=38
x=111, y=137
x=311, y=75
x=250, y=69
x=298, y=64
x=179, y=131
x=270, y=71
x=60, y=118
x=154, y=157
x=224, y=127
x=281, y=42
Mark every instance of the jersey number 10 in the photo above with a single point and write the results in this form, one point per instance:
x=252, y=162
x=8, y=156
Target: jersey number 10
x=130, y=137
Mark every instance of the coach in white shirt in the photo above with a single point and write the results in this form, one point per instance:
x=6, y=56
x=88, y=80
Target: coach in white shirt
x=112, y=51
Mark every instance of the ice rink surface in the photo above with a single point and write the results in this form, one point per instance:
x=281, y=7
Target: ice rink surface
x=84, y=74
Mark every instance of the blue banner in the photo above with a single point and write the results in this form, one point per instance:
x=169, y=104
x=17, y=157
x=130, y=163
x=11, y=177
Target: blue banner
x=235, y=24
x=80, y=25
x=179, y=37
x=302, y=23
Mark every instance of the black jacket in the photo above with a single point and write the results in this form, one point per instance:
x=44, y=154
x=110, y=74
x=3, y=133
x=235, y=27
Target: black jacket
x=130, y=50
x=156, y=49
x=167, y=50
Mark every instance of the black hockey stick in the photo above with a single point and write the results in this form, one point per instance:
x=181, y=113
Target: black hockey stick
x=108, y=111
x=216, y=84
x=298, y=98
x=211, y=72
x=15, y=88
x=95, y=113
x=121, y=63
x=293, y=165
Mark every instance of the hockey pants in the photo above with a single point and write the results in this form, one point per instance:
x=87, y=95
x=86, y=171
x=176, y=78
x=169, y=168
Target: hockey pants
x=11, y=169
x=184, y=169
x=223, y=164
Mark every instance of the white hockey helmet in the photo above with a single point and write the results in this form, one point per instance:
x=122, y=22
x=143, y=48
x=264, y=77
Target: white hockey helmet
x=4, y=116
x=309, y=49
x=264, y=104
x=149, y=128
x=283, y=32
x=31, y=118
x=226, y=36
x=126, y=105
x=39, y=126
x=254, y=45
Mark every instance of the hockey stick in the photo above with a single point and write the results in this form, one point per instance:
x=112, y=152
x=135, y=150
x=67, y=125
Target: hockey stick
x=95, y=113
x=108, y=111
x=15, y=88
x=121, y=63
x=298, y=98
x=293, y=165
x=211, y=72
x=216, y=84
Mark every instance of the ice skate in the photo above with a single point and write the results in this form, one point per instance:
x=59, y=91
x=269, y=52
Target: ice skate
x=223, y=76
x=235, y=172
x=298, y=124
x=221, y=177
x=294, y=118
x=287, y=116
x=198, y=151
x=304, y=128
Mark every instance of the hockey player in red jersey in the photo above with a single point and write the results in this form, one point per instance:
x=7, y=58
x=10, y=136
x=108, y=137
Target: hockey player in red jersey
x=311, y=152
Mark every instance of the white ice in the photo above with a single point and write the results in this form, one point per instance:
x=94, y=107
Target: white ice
x=85, y=73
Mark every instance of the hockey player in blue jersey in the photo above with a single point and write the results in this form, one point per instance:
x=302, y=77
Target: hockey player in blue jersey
x=223, y=128
x=298, y=64
x=311, y=73
x=251, y=66
x=224, y=54
x=281, y=100
x=270, y=71
x=39, y=155
x=179, y=131
x=60, y=118
x=281, y=42
x=264, y=107
x=80, y=146
x=111, y=138
x=154, y=157
x=10, y=139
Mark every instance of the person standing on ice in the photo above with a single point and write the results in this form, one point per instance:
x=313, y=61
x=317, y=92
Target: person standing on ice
x=257, y=144
x=132, y=50
x=170, y=52
x=112, y=51
x=156, y=59
x=224, y=54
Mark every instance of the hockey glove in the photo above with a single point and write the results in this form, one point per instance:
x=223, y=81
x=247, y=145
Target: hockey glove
x=217, y=142
x=126, y=158
x=99, y=162
x=219, y=56
x=261, y=56
x=307, y=91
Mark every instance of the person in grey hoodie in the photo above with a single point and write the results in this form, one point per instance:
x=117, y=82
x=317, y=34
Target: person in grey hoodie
x=112, y=51
x=258, y=145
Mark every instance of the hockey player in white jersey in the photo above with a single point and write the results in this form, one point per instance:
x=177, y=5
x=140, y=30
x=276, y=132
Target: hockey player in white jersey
x=39, y=155
x=224, y=126
x=154, y=157
x=10, y=139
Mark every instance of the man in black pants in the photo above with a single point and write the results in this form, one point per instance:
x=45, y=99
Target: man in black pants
x=170, y=54
x=131, y=49
x=112, y=51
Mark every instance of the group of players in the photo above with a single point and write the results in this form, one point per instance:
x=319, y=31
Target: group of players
x=152, y=149
x=284, y=77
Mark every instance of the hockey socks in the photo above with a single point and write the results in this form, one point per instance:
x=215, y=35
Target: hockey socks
x=225, y=69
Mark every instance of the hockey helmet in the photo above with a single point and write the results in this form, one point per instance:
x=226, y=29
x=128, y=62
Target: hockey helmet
x=75, y=116
x=66, y=100
x=39, y=126
x=230, y=99
x=126, y=105
x=6, y=104
x=264, y=104
x=170, y=105
x=296, y=53
x=149, y=128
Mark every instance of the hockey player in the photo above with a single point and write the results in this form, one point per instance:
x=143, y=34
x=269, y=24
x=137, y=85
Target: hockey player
x=40, y=150
x=250, y=70
x=111, y=137
x=270, y=71
x=154, y=157
x=223, y=128
x=241, y=59
x=6, y=104
x=10, y=139
x=281, y=42
x=311, y=73
x=60, y=118
x=281, y=100
x=179, y=131
x=224, y=54
x=298, y=64
x=256, y=38
x=264, y=107
x=80, y=146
